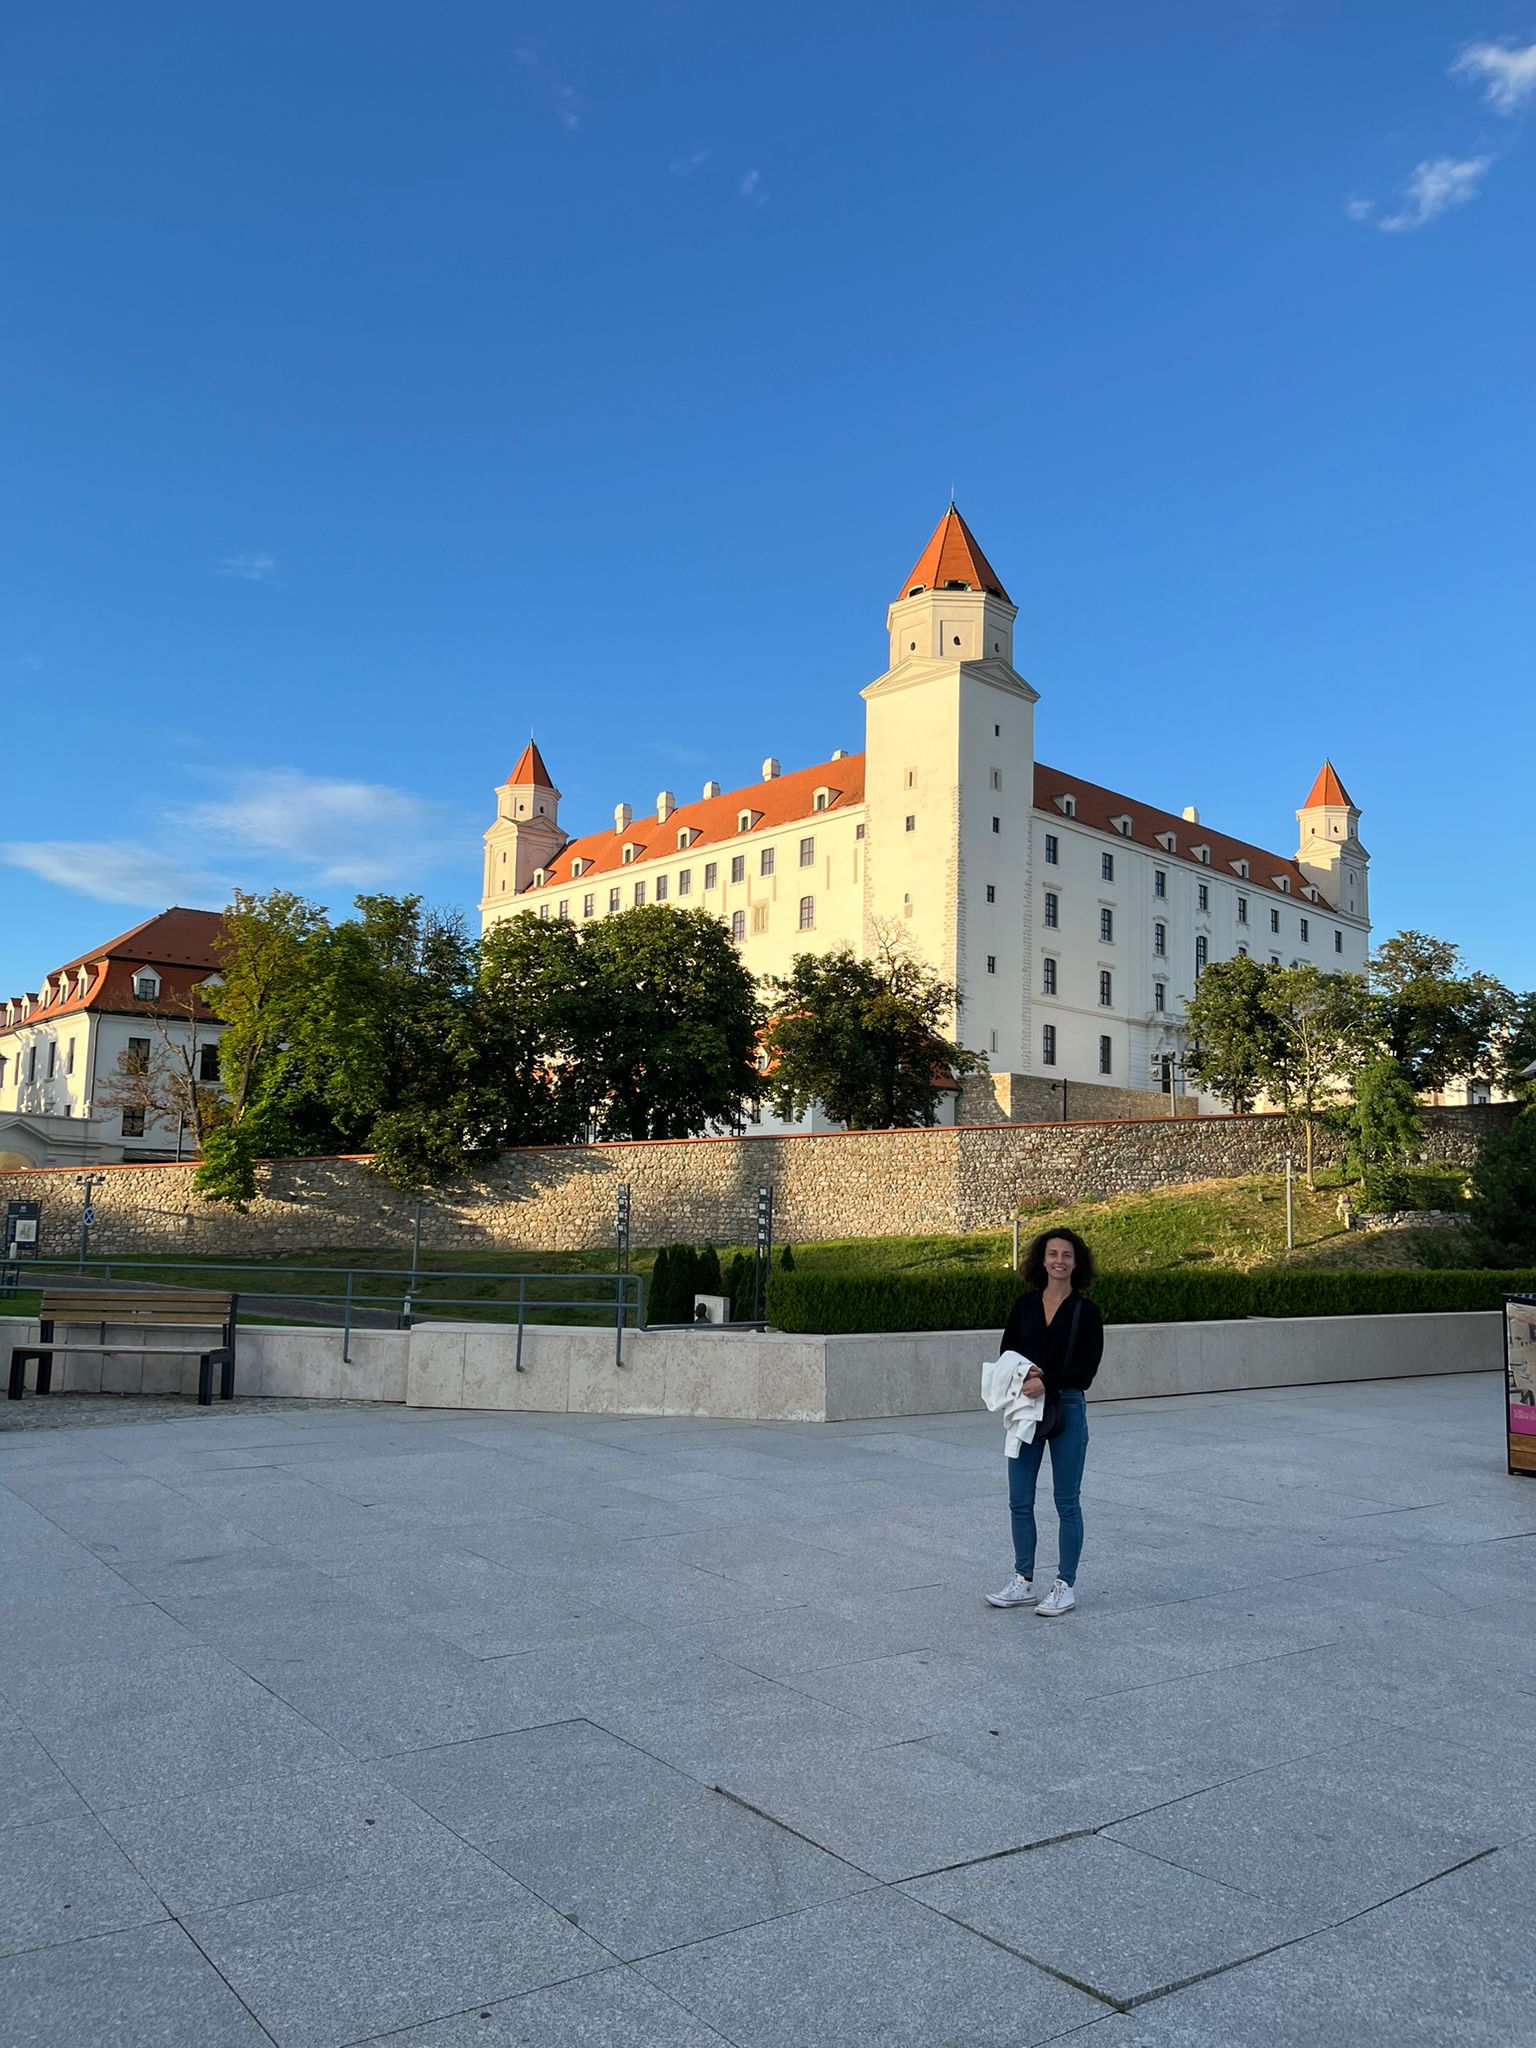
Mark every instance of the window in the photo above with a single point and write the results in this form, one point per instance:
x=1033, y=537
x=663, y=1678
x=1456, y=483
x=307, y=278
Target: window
x=1242, y=909
x=146, y=986
x=858, y=831
x=133, y=1123
x=807, y=913
x=1202, y=895
x=911, y=822
x=136, y=1060
x=765, y=861
x=1069, y=807
x=1306, y=930
x=1242, y=952
x=711, y=873
x=997, y=778
x=821, y=799
x=588, y=905
x=1159, y=940
x=1338, y=941
x=997, y=824
x=807, y=853
x=911, y=777
x=1159, y=881
x=53, y=1058
x=1047, y=1045
x=31, y=1062
x=743, y=821
x=662, y=887
x=1106, y=867
x=991, y=963
x=1274, y=920
x=991, y=893
x=208, y=1063
x=565, y=910
x=613, y=899
x=1052, y=910
x=685, y=839
x=1106, y=927
x=1051, y=849
x=685, y=881
x=738, y=867
x=1106, y=1055
x=1106, y=989
x=738, y=925
x=1202, y=954
x=1159, y=996
x=69, y=1057
x=1048, y=976
x=629, y=854
x=639, y=892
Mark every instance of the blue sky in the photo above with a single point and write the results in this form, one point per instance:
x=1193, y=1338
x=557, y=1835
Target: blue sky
x=375, y=373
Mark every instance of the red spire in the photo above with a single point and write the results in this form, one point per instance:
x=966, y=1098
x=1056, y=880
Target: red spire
x=530, y=768
x=1328, y=790
x=952, y=556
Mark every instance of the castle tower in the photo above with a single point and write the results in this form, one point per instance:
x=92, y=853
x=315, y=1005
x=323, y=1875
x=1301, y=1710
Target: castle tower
x=949, y=785
x=525, y=837
x=1330, y=853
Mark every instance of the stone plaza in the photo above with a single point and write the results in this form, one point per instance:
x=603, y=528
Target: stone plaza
x=331, y=1725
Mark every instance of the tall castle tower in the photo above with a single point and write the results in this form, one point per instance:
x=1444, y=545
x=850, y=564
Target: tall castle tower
x=526, y=835
x=949, y=784
x=1330, y=854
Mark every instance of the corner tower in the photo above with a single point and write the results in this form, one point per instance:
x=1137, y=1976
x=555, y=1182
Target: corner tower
x=1330, y=853
x=949, y=785
x=525, y=837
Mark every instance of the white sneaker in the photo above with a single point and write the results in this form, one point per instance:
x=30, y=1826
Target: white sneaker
x=1019, y=1592
x=1060, y=1600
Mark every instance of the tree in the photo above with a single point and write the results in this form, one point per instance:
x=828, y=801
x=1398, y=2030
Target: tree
x=1326, y=1030
x=1503, y=1209
x=1235, y=1038
x=1385, y=1128
x=663, y=1037
x=867, y=1039
x=1437, y=1022
x=530, y=1008
x=1516, y=1049
x=164, y=1084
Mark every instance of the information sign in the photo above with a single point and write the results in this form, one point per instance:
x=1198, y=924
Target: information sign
x=1520, y=1379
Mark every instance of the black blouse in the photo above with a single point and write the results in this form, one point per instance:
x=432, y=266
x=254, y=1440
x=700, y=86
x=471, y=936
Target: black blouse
x=1045, y=1343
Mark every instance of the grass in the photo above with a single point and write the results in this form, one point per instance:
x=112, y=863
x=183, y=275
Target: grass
x=1238, y=1225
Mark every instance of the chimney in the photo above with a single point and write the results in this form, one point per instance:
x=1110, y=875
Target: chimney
x=770, y=769
x=666, y=804
x=621, y=817
x=1191, y=815
x=711, y=789
x=839, y=753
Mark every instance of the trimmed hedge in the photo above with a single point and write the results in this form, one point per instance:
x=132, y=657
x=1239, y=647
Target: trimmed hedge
x=815, y=1304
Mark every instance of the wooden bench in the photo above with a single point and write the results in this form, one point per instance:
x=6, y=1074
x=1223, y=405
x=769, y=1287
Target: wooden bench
x=124, y=1311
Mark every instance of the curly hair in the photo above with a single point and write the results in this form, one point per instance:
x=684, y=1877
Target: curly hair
x=1084, y=1273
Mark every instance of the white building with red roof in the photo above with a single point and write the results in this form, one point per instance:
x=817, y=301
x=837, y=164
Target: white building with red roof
x=1073, y=920
x=129, y=1005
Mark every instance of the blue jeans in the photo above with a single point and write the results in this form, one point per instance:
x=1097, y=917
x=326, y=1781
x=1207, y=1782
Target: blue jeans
x=1069, y=1450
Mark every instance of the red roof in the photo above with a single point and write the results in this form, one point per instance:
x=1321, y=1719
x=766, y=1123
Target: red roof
x=177, y=943
x=1097, y=807
x=713, y=818
x=530, y=768
x=1328, y=790
x=952, y=557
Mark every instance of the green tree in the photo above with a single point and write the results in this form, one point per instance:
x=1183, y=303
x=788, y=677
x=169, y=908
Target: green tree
x=1384, y=1127
x=866, y=1039
x=1436, y=1020
x=530, y=1009
x=1327, y=1030
x=666, y=1025
x=1235, y=1039
x=1517, y=1048
x=707, y=1279
x=1503, y=1207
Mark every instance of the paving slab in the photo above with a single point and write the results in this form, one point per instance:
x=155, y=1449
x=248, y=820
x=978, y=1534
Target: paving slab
x=32, y=1787
x=143, y=1989
x=610, y=2009
x=65, y=1879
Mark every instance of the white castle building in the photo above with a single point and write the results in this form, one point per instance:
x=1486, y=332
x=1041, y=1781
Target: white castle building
x=1074, y=921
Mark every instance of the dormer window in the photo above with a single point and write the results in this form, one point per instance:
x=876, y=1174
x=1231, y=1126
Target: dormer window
x=146, y=985
x=822, y=798
x=578, y=868
x=685, y=838
x=1201, y=854
x=629, y=854
x=1241, y=867
x=45, y=994
x=1067, y=805
x=81, y=981
x=540, y=877
x=1168, y=841
x=743, y=821
x=1122, y=825
x=1283, y=884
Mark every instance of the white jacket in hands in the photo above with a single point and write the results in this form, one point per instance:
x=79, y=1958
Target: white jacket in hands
x=1002, y=1383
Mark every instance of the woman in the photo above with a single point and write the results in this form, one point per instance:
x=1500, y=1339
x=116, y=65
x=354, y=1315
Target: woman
x=1061, y=1333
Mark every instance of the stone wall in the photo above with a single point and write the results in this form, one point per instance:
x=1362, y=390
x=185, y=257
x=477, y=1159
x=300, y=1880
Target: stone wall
x=1031, y=1099
x=702, y=1190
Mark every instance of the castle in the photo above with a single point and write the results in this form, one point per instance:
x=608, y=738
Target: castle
x=1073, y=921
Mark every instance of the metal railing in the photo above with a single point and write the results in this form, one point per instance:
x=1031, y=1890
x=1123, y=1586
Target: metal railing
x=363, y=1300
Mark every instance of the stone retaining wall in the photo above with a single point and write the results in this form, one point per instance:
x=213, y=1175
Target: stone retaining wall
x=701, y=1190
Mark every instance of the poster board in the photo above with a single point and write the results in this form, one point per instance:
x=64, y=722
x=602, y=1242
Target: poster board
x=1520, y=1380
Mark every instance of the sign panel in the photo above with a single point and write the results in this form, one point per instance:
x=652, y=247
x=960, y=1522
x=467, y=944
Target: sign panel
x=1520, y=1379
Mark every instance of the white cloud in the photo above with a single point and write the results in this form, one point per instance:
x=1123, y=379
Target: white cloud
x=749, y=186
x=1506, y=72
x=113, y=873
x=1359, y=209
x=360, y=835
x=1435, y=187
x=249, y=568
x=685, y=166
x=570, y=107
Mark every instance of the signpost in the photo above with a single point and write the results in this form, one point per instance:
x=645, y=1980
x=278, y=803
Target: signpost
x=1520, y=1380
x=23, y=1227
x=87, y=1215
x=764, y=1258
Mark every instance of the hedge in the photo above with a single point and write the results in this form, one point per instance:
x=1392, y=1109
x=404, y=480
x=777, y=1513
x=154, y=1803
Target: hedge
x=847, y=1304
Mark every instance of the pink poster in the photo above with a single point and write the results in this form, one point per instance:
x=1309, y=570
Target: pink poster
x=1520, y=1372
